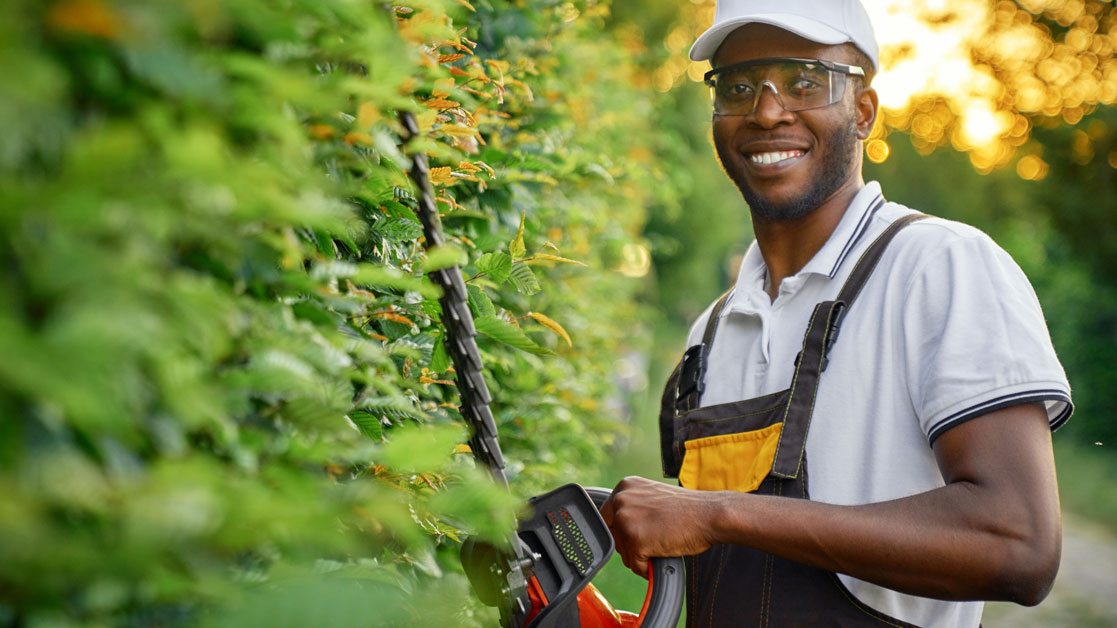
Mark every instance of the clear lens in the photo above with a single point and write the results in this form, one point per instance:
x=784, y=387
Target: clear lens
x=797, y=86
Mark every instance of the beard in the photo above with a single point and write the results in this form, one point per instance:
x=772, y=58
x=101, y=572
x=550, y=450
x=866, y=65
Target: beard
x=836, y=165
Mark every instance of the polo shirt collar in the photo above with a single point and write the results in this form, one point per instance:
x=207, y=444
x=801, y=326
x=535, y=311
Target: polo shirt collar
x=828, y=260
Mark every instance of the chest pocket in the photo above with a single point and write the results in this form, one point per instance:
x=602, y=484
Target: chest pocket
x=730, y=462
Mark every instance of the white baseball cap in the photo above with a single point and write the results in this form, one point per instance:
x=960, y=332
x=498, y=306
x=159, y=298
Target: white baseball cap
x=824, y=21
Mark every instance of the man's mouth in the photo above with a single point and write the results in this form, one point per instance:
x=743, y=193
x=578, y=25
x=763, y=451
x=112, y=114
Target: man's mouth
x=774, y=157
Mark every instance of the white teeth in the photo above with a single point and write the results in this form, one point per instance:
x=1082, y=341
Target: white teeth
x=771, y=158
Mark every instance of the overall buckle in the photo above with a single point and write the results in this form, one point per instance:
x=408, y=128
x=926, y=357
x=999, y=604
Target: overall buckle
x=692, y=379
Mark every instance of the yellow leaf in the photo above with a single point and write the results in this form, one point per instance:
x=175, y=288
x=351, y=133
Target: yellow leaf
x=442, y=176
x=517, y=247
x=450, y=58
x=321, y=131
x=357, y=138
x=426, y=120
x=439, y=103
x=492, y=173
x=523, y=86
x=463, y=449
x=88, y=17
x=430, y=380
x=458, y=130
x=367, y=115
x=465, y=166
x=467, y=5
x=549, y=323
x=555, y=258
x=499, y=64
x=392, y=316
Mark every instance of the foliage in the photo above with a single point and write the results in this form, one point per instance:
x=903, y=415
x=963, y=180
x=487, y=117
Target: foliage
x=224, y=394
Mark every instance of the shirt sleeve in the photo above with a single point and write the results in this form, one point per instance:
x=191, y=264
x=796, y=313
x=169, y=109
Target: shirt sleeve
x=975, y=339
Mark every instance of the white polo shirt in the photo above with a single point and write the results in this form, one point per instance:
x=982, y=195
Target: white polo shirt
x=946, y=329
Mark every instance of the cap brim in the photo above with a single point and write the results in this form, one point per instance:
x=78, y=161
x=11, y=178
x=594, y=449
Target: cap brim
x=707, y=43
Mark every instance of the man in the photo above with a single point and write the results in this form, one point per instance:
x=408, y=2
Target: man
x=926, y=462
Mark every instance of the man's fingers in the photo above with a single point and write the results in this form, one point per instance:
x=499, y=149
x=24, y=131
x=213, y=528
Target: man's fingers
x=607, y=510
x=640, y=568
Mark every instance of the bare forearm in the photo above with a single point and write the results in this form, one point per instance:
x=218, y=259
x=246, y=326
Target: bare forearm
x=950, y=543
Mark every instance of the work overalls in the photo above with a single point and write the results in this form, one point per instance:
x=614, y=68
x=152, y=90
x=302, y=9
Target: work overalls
x=758, y=446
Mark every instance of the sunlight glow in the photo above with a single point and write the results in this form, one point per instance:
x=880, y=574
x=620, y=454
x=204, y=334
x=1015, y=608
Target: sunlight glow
x=969, y=73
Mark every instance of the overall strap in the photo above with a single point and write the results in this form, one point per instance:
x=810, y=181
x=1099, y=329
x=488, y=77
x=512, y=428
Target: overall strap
x=812, y=360
x=692, y=376
x=683, y=391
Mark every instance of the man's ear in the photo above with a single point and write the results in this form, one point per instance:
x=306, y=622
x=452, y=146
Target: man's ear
x=866, y=104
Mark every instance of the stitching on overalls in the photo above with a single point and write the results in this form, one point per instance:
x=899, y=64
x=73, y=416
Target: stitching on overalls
x=733, y=403
x=770, y=566
x=810, y=415
x=717, y=581
x=735, y=416
x=766, y=591
x=791, y=397
x=692, y=601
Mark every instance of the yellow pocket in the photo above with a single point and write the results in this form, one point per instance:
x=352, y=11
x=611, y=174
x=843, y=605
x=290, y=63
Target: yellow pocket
x=731, y=462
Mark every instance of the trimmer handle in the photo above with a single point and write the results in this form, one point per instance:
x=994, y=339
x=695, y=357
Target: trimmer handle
x=666, y=582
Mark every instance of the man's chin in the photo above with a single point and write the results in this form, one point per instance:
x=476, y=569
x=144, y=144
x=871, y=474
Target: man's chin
x=775, y=210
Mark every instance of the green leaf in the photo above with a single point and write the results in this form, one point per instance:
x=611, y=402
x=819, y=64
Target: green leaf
x=517, y=247
x=495, y=265
x=524, y=279
x=421, y=449
x=388, y=277
x=480, y=302
x=396, y=209
x=391, y=407
x=368, y=424
x=444, y=256
x=396, y=229
x=504, y=332
x=440, y=360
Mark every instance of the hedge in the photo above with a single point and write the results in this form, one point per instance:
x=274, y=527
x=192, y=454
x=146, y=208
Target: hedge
x=223, y=395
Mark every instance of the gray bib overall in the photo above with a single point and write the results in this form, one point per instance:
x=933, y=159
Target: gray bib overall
x=758, y=446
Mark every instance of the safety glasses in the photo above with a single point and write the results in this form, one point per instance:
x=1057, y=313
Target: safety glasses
x=797, y=83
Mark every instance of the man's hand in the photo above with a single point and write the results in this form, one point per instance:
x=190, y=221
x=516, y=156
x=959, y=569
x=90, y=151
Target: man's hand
x=651, y=519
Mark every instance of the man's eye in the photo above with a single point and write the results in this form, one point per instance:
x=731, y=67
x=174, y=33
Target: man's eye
x=737, y=90
x=803, y=84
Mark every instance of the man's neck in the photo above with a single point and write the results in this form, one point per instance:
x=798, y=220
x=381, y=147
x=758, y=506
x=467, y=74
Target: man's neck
x=787, y=245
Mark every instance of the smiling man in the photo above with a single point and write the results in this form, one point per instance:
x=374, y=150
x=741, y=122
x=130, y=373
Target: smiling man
x=861, y=427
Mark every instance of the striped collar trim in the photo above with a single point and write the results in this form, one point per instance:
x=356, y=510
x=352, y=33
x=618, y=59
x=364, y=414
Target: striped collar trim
x=842, y=242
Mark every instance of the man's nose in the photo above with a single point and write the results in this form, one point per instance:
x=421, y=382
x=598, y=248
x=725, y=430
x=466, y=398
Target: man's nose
x=767, y=110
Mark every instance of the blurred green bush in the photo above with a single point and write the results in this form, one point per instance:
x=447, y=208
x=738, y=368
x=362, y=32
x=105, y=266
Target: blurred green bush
x=222, y=392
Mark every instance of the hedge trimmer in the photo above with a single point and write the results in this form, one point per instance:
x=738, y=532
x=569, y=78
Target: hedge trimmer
x=541, y=577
